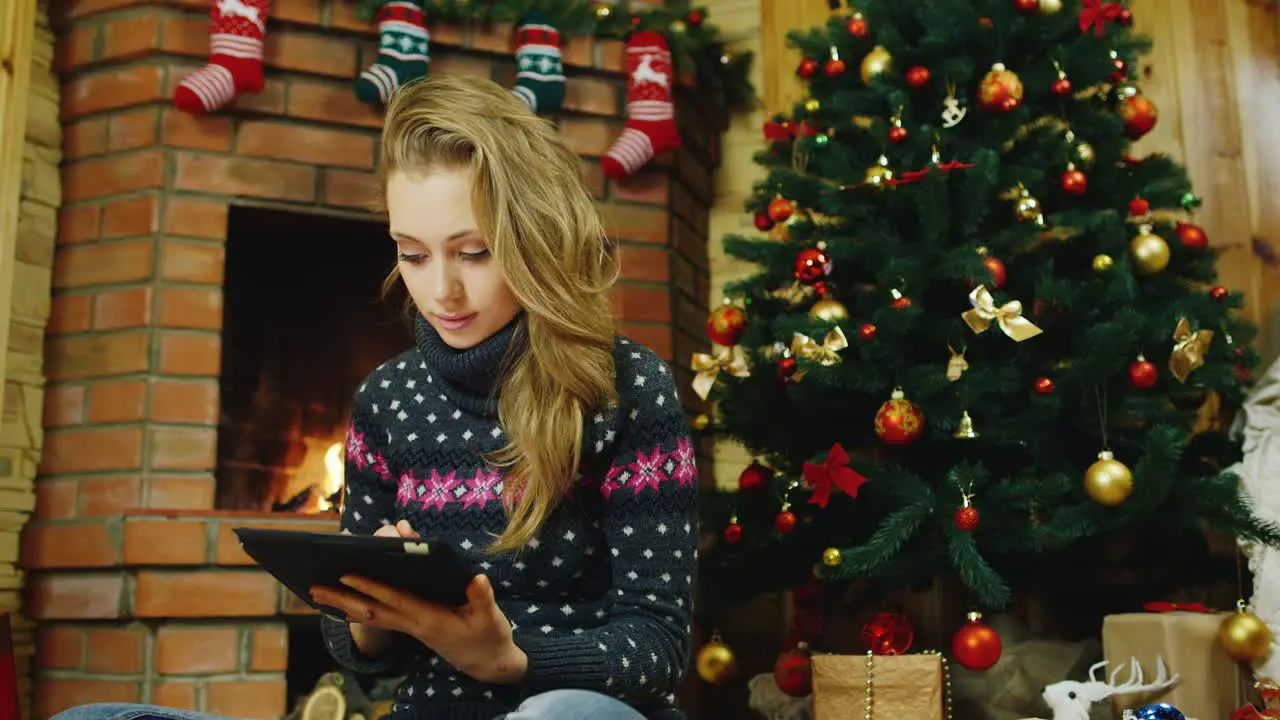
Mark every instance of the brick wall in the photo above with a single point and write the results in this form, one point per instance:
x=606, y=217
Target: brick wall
x=21, y=434
x=126, y=542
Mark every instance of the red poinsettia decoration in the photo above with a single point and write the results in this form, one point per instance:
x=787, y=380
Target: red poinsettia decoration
x=1097, y=13
x=835, y=472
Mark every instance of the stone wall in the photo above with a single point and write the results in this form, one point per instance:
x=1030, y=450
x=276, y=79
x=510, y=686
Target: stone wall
x=21, y=430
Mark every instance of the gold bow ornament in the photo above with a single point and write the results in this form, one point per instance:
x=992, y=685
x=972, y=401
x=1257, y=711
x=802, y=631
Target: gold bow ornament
x=827, y=353
x=707, y=367
x=1189, y=349
x=1007, y=316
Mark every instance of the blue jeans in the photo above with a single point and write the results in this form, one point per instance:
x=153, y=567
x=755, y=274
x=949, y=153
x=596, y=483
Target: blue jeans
x=553, y=705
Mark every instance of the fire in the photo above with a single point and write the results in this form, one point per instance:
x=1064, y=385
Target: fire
x=318, y=479
x=333, y=467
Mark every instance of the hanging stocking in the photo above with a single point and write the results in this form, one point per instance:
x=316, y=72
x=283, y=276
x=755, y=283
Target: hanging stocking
x=235, y=57
x=539, y=72
x=651, y=125
x=403, y=54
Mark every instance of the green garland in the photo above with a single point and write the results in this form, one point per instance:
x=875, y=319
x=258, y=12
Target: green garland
x=694, y=42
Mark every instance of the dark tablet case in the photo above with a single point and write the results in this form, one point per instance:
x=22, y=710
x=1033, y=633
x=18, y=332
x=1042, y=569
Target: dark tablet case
x=431, y=570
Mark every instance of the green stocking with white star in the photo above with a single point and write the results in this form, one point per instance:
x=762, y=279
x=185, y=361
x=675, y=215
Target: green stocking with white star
x=539, y=70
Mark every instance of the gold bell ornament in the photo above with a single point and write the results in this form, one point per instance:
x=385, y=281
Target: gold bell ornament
x=716, y=661
x=965, y=430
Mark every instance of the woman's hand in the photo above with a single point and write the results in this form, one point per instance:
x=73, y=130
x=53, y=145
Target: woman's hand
x=474, y=638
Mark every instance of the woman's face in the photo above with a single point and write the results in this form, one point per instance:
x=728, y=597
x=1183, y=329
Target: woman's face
x=444, y=260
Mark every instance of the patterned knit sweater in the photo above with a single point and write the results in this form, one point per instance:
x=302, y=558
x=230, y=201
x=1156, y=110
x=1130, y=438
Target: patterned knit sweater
x=602, y=598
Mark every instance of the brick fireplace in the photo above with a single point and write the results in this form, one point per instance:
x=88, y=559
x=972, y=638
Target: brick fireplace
x=172, y=413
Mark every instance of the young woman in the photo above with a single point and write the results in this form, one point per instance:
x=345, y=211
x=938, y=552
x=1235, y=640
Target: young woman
x=520, y=429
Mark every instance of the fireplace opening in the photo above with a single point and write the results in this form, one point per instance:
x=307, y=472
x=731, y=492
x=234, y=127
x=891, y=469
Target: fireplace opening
x=303, y=323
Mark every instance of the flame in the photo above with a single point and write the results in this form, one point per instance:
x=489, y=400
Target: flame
x=333, y=467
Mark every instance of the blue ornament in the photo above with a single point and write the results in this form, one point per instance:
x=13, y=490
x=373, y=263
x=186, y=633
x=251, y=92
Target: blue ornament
x=1159, y=711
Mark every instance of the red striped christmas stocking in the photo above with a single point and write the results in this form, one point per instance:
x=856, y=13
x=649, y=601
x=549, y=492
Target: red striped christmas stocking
x=235, y=57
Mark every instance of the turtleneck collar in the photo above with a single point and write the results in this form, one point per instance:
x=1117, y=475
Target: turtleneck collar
x=469, y=378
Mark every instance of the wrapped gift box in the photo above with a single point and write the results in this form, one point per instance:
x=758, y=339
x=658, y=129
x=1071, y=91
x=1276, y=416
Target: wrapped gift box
x=1210, y=682
x=902, y=686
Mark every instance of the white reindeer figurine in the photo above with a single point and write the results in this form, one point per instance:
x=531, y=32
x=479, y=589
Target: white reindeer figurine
x=1071, y=700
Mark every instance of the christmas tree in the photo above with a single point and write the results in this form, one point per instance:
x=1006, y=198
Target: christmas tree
x=979, y=331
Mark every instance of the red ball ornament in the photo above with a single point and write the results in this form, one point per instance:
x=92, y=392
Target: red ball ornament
x=726, y=323
x=1125, y=17
x=975, y=645
x=793, y=672
x=733, y=531
x=900, y=302
x=786, y=368
x=1044, y=386
x=867, y=332
x=1192, y=236
x=1027, y=5
x=812, y=265
x=857, y=27
x=888, y=633
x=897, y=134
x=899, y=421
x=1143, y=374
x=997, y=271
x=918, y=76
x=764, y=223
x=1121, y=70
x=1074, y=182
x=834, y=67
x=695, y=18
x=1243, y=373
x=1000, y=90
x=808, y=68
x=966, y=517
x=1139, y=115
x=1219, y=293
x=754, y=477
x=1139, y=207
x=785, y=521
x=780, y=209
x=1061, y=87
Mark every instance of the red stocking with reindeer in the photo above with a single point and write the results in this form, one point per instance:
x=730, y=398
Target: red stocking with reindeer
x=651, y=125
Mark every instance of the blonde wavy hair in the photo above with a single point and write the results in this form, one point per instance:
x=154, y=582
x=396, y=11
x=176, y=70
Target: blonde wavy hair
x=543, y=230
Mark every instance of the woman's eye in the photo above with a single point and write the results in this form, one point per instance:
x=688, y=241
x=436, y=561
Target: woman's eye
x=413, y=258
x=476, y=256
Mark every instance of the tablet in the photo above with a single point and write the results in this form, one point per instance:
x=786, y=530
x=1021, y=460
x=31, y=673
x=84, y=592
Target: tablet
x=300, y=560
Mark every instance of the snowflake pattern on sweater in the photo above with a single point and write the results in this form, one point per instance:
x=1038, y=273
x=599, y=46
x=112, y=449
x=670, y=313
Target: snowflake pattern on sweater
x=600, y=600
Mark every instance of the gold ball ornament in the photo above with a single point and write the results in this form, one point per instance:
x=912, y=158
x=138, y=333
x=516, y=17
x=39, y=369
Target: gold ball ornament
x=678, y=26
x=1102, y=263
x=1245, y=637
x=716, y=661
x=828, y=310
x=1050, y=7
x=832, y=557
x=1108, y=481
x=877, y=62
x=1085, y=154
x=812, y=105
x=602, y=9
x=1000, y=90
x=700, y=422
x=1149, y=251
x=1028, y=208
